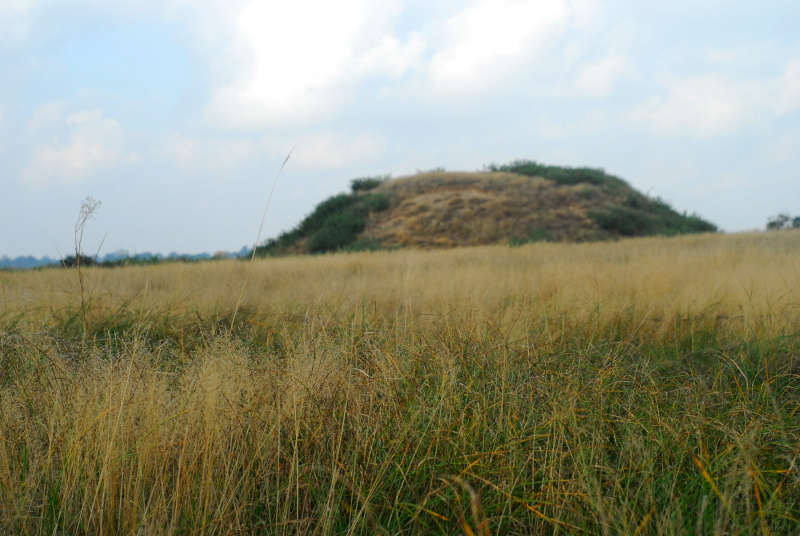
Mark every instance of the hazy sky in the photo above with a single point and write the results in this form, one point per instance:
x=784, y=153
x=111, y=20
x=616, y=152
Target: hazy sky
x=177, y=114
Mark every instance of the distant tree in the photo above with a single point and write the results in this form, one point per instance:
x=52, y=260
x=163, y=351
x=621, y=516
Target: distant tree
x=72, y=261
x=783, y=221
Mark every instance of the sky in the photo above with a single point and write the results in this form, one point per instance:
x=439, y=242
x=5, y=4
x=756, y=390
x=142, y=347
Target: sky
x=177, y=114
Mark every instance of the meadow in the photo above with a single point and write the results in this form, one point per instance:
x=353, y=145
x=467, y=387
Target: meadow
x=646, y=386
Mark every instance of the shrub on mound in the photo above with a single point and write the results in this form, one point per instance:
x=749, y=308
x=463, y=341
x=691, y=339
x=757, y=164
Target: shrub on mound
x=368, y=183
x=642, y=216
x=338, y=231
x=333, y=225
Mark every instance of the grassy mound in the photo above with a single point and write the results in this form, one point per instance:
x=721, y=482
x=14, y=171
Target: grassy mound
x=514, y=203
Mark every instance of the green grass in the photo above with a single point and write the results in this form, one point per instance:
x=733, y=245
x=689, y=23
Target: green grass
x=537, y=235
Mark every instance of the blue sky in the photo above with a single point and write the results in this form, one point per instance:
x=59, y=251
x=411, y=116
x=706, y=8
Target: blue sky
x=177, y=114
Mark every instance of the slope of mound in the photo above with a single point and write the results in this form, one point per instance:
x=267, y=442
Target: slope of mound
x=520, y=202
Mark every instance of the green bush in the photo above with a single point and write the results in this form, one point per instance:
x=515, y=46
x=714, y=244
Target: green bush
x=333, y=224
x=338, y=231
x=333, y=205
x=558, y=174
x=621, y=220
x=642, y=216
x=368, y=183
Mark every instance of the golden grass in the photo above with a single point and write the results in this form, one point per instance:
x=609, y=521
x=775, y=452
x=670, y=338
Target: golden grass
x=736, y=280
x=642, y=387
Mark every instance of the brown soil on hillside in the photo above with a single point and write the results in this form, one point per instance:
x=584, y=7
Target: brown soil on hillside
x=433, y=210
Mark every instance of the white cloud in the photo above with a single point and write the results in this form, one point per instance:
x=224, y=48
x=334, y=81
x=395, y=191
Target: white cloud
x=3, y=131
x=721, y=55
x=195, y=154
x=713, y=105
x=94, y=144
x=328, y=150
x=484, y=37
x=786, y=89
x=324, y=150
x=392, y=58
x=296, y=58
x=15, y=21
x=306, y=55
x=723, y=183
x=598, y=78
x=47, y=116
x=785, y=148
x=547, y=130
x=595, y=121
x=701, y=106
x=297, y=69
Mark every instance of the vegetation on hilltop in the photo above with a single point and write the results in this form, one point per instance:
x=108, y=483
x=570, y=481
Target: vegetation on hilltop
x=637, y=215
x=514, y=203
x=560, y=174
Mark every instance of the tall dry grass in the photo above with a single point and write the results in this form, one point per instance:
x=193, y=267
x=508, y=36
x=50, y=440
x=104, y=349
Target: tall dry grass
x=641, y=387
x=737, y=281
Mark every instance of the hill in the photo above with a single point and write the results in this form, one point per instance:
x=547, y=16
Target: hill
x=516, y=203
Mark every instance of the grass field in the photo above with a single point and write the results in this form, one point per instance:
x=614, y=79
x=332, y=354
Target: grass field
x=648, y=386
